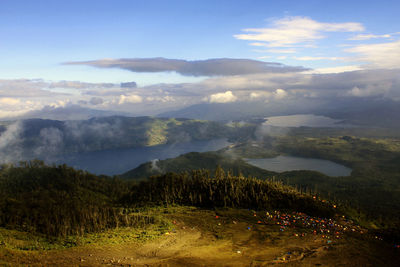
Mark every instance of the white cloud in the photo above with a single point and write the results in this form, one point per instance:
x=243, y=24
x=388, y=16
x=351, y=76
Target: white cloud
x=254, y=81
x=382, y=55
x=276, y=51
x=24, y=88
x=79, y=85
x=264, y=57
x=256, y=95
x=280, y=94
x=338, y=69
x=163, y=99
x=381, y=88
x=327, y=83
x=295, y=31
x=11, y=114
x=60, y=103
x=167, y=99
x=266, y=96
x=9, y=101
x=281, y=51
x=356, y=91
x=308, y=58
x=258, y=44
x=12, y=107
x=361, y=37
x=260, y=96
x=129, y=99
x=226, y=97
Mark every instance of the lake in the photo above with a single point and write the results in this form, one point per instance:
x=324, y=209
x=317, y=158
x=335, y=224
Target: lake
x=118, y=161
x=307, y=120
x=289, y=163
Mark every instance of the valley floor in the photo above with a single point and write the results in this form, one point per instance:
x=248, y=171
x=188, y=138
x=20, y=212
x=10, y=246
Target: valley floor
x=221, y=238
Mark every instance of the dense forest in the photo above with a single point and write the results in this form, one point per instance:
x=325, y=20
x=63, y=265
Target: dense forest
x=61, y=201
x=57, y=200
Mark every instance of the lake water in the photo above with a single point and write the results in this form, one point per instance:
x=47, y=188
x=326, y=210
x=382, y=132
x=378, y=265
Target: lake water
x=289, y=163
x=118, y=161
x=308, y=120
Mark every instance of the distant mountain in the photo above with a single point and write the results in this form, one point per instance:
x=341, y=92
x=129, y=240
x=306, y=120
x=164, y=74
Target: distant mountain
x=243, y=110
x=71, y=112
x=368, y=112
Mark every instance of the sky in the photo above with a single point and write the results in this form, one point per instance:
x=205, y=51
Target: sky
x=61, y=53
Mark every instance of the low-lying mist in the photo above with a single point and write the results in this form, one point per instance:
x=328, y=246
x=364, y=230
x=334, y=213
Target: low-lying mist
x=52, y=140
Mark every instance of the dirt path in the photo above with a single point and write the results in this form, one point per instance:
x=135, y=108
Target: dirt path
x=188, y=246
x=200, y=239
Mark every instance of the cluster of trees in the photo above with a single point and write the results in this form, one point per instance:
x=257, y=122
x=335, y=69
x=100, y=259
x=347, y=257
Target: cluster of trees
x=200, y=189
x=61, y=201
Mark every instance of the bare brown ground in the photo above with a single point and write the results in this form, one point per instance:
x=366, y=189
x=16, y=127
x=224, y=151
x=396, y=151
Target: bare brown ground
x=201, y=239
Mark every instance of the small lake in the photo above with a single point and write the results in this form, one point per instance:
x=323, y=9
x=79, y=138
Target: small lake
x=307, y=120
x=118, y=161
x=289, y=163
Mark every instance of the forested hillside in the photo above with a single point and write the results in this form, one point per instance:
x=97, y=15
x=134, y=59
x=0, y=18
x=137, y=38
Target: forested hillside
x=195, y=161
x=60, y=201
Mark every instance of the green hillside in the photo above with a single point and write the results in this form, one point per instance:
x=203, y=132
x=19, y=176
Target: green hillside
x=60, y=201
x=196, y=161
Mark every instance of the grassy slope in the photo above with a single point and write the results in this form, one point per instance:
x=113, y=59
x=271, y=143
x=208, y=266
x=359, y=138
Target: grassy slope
x=197, y=237
x=178, y=231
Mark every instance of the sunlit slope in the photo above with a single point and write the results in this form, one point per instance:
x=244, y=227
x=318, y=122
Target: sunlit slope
x=60, y=216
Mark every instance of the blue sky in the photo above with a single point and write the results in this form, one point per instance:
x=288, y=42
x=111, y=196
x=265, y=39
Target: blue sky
x=38, y=37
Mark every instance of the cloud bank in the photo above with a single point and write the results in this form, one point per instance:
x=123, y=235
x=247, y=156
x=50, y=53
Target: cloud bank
x=79, y=100
x=208, y=67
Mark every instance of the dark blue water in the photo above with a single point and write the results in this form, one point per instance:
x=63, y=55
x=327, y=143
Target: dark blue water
x=289, y=163
x=118, y=161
